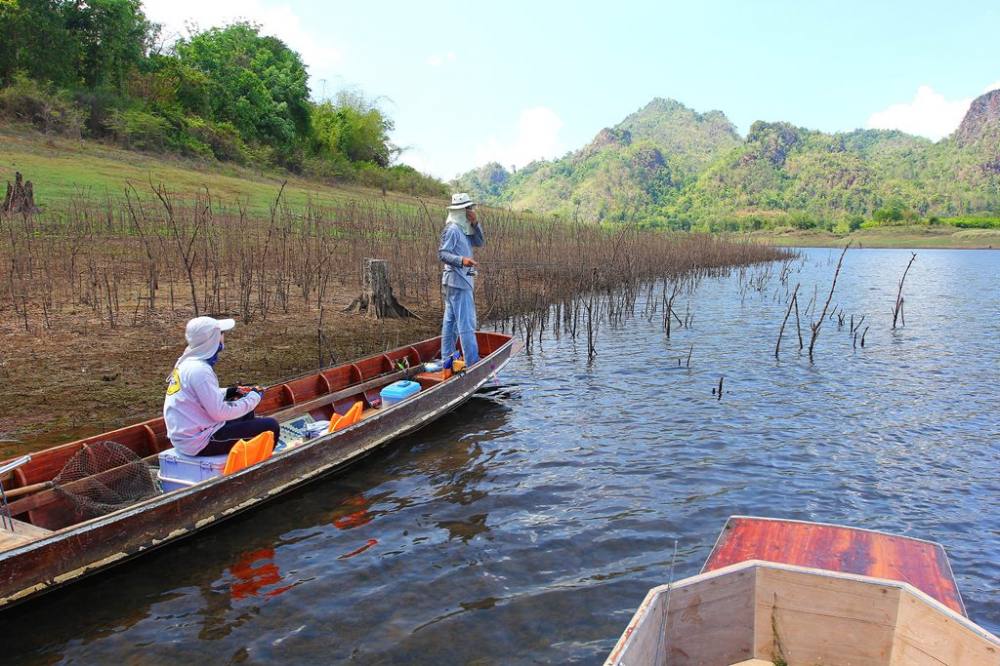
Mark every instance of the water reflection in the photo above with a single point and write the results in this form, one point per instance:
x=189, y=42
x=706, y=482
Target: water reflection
x=255, y=571
x=353, y=512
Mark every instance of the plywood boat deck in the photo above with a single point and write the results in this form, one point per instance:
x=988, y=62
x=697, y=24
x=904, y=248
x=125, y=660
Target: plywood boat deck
x=21, y=534
x=922, y=564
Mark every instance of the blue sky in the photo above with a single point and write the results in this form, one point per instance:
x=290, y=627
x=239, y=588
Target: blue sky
x=470, y=82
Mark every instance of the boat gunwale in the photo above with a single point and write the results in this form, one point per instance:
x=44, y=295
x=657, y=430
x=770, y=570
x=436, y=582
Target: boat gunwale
x=642, y=612
x=326, y=439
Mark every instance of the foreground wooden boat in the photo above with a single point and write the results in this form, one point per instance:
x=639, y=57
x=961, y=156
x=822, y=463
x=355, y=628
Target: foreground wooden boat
x=790, y=592
x=48, y=545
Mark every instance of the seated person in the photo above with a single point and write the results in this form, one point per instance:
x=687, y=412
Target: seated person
x=202, y=418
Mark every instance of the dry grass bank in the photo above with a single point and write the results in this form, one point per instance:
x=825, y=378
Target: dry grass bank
x=94, y=294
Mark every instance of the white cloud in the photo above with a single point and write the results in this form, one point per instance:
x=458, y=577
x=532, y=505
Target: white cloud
x=436, y=59
x=417, y=159
x=537, y=137
x=993, y=86
x=928, y=114
x=275, y=19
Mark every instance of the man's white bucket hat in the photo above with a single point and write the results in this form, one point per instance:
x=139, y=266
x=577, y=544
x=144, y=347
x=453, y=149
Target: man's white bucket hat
x=201, y=329
x=203, y=335
x=460, y=201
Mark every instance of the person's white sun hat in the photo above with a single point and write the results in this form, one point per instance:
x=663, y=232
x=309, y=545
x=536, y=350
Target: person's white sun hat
x=460, y=201
x=203, y=335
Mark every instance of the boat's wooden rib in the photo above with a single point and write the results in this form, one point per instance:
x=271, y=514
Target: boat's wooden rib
x=64, y=549
x=923, y=564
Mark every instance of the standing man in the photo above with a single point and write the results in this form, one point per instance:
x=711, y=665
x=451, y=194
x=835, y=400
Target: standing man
x=462, y=232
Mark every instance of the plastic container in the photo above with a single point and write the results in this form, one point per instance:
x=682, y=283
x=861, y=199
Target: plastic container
x=317, y=428
x=398, y=391
x=169, y=484
x=175, y=466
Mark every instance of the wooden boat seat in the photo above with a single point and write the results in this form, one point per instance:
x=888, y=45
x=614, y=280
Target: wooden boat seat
x=23, y=533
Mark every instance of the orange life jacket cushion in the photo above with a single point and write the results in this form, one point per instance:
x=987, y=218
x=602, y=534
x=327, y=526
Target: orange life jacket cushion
x=249, y=452
x=352, y=416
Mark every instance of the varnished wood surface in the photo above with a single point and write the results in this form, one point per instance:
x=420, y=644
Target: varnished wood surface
x=922, y=564
x=21, y=534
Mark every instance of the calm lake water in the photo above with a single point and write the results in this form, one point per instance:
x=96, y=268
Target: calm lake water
x=529, y=525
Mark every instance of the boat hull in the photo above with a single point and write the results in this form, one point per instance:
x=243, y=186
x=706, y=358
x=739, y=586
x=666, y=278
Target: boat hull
x=80, y=550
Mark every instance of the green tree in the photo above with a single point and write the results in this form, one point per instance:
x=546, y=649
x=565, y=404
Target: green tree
x=112, y=38
x=34, y=40
x=355, y=128
x=257, y=83
x=72, y=43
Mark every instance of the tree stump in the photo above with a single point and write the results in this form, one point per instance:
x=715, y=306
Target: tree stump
x=20, y=197
x=376, y=300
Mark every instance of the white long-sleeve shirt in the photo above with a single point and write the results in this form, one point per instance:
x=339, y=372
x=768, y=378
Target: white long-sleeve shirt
x=195, y=406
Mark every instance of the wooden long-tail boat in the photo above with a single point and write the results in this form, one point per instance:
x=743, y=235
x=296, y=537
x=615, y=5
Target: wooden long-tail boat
x=47, y=544
x=791, y=592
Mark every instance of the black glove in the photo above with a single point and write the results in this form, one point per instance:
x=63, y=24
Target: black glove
x=233, y=393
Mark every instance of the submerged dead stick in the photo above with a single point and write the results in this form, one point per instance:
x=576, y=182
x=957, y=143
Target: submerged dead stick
x=819, y=322
x=777, y=346
x=898, y=309
x=798, y=325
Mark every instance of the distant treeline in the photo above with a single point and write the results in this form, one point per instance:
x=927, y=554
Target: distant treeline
x=98, y=69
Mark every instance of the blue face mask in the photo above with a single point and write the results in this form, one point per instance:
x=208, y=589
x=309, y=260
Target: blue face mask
x=215, y=357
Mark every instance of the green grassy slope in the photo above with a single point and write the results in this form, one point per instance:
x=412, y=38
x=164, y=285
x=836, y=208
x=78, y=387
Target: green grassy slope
x=62, y=169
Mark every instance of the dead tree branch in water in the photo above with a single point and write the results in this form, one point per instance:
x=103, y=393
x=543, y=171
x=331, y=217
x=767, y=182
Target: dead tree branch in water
x=777, y=347
x=819, y=322
x=798, y=326
x=897, y=311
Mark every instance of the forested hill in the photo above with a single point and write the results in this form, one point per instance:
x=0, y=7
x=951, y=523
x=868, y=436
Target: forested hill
x=637, y=165
x=100, y=70
x=667, y=165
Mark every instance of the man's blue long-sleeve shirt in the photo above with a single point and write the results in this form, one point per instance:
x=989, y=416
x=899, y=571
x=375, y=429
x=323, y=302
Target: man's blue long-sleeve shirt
x=454, y=246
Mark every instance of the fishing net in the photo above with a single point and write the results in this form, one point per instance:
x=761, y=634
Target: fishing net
x=103, y=477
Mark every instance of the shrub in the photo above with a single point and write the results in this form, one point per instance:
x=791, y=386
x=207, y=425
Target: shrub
x=222, y=139
x=802, y=221
x=140, y=130
x=47, y=109
x=975, y=222
x=888, y=215
x=100, y=106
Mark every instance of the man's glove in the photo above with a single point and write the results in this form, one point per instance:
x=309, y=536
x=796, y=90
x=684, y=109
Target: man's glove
x=237, y=392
